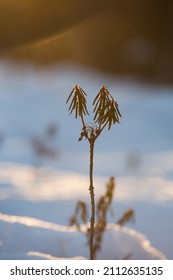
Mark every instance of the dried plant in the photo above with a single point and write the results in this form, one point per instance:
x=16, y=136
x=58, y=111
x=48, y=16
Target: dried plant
x=103, y=207
x=126, y=217
x=43, y=145
x=106, y=114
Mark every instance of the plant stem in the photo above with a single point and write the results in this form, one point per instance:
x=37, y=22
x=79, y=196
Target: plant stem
x=91, y=189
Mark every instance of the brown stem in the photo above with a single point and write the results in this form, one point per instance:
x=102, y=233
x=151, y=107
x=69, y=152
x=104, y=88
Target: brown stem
x=101, y=128
x=91, y=189
x=84, y=127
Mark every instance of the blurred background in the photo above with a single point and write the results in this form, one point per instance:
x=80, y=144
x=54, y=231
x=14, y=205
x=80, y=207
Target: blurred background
x=120, y=37
x=46, y=47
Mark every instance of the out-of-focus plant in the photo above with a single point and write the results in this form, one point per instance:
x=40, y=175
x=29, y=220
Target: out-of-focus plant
x=106, y=113
x=43, y=145
x=103, y=207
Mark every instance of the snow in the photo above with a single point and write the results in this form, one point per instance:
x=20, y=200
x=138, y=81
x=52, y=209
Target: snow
x=28, y=237
x=37, y=196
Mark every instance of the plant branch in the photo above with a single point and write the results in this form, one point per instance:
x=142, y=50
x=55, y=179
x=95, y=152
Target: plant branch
x=84, y=128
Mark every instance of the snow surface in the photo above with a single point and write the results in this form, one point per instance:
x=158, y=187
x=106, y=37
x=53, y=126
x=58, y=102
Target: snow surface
x=36, y=202
x=25, y=237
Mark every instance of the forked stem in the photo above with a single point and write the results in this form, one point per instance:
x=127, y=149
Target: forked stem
x=106, y=113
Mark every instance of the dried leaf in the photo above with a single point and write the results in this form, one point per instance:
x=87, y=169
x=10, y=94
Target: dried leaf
x=78, y=102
